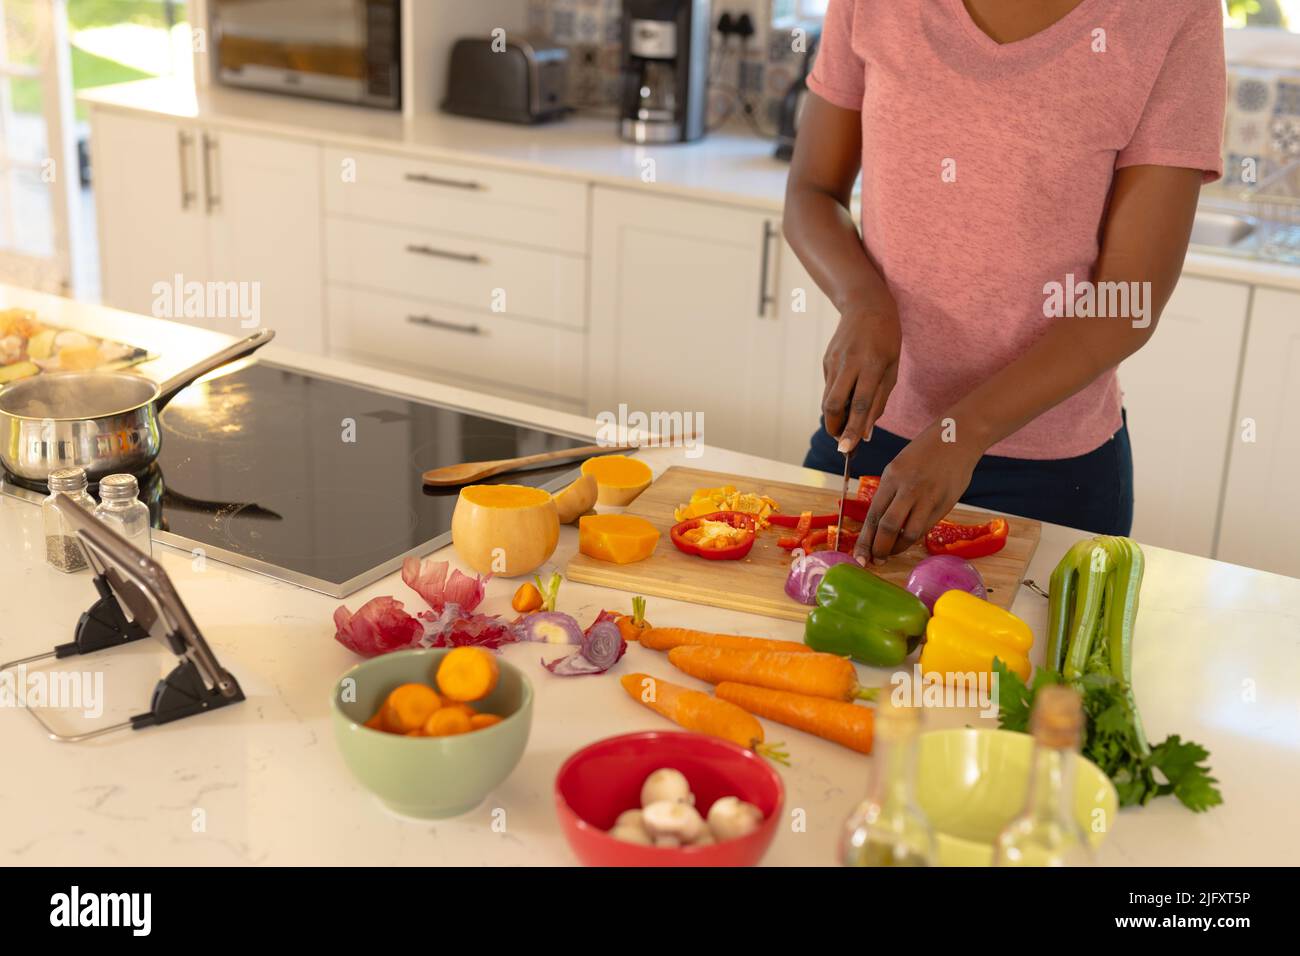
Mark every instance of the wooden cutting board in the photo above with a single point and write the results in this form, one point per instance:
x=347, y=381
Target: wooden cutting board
x=756, y=584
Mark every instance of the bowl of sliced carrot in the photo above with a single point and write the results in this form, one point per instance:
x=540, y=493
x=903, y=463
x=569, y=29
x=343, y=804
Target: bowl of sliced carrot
x=600, y=785
x=432, y=732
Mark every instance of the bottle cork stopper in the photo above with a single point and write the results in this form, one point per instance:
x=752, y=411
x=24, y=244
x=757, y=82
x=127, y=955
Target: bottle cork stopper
x=894, y=719
x=1057, y=720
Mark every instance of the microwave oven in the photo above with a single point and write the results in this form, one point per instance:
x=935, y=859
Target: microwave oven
x=344, y=50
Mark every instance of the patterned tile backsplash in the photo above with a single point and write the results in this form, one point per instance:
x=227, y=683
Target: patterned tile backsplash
x=1263, y=115
x=591, y=31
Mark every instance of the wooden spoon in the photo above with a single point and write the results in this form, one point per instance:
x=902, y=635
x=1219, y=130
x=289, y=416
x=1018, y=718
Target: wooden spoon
x=469, y=472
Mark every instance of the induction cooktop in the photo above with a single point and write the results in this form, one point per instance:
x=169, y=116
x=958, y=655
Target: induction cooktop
x=315, y=481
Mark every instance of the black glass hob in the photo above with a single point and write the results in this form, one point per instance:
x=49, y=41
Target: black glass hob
x=316, y=481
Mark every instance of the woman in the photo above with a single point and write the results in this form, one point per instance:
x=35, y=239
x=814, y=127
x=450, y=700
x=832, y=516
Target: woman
x=1030, y=172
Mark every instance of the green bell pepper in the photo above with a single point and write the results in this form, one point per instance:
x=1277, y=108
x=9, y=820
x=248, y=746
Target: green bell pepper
x=862, y=616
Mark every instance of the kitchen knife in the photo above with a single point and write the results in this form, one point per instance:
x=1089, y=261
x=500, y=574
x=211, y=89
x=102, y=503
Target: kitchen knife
x=844, y=493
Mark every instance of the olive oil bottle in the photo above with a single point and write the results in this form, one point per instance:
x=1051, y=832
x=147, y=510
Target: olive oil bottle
x=1046, y=831
x=889, y=828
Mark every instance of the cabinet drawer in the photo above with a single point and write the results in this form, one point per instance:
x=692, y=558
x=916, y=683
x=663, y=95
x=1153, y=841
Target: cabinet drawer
x=492, y=349
x=469, y=273
x=465, y=200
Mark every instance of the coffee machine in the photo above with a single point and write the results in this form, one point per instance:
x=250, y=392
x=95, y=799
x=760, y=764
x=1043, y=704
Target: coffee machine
x=665, y=70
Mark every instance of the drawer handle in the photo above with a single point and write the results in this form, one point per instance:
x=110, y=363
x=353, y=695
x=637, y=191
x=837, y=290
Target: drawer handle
x=428, y=180
x=430, y=322
x=422, y=250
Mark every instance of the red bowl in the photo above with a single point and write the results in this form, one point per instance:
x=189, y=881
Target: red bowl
x=599, y=782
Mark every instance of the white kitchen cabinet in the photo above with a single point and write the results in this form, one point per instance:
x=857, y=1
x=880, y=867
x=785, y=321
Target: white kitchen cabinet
x=1179, y=391
x=240, y=214
x=809, y=321
x=264, y=217
x=683, y=316
x=1259, y=527
x=152, y=224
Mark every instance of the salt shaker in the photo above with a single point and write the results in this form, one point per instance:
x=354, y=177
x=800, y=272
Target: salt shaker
x=62, y=549
x=121, y=509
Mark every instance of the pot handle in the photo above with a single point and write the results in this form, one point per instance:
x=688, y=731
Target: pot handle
x=172, y=387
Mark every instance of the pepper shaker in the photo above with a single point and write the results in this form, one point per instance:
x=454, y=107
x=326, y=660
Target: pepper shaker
x=62, y=549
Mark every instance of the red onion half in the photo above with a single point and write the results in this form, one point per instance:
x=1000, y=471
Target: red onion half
x=944, y=572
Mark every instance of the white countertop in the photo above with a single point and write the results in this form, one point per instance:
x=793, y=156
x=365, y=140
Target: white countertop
x=1216, y=659
x=729, y=166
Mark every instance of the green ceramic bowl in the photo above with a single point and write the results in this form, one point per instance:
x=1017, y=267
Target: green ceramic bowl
x=971, y=782
x=428, y=776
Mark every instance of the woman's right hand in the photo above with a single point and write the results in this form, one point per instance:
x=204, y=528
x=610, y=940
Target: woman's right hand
x=860, y=368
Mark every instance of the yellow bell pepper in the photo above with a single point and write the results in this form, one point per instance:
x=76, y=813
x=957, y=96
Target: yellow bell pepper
x=966, y=633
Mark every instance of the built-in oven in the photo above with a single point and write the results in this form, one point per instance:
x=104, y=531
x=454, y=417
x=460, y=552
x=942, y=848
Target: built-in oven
x=345, y=50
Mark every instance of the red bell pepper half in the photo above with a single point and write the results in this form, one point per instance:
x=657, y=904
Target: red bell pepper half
x=732, y=552
x=967, y=540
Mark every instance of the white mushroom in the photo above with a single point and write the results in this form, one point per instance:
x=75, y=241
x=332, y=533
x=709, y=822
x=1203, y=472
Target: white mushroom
x=667, y=818
x=666, y=784
x=670, y=842
x=629, y=818
x=704, y=839
x=631, y=834
x=731, y=817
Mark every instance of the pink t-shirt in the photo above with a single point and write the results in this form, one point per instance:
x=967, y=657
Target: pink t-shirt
x=987, y=169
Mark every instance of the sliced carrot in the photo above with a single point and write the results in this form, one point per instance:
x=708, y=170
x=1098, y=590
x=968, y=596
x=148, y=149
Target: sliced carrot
x=820, y=675
x=410, y=705
x=376, y=722
x=843, y=723
x=447, y=722
x=701, y=713
x=666, y=638
x=527, y=598
x=479, y=721
x=463, y=707
x=468, y=673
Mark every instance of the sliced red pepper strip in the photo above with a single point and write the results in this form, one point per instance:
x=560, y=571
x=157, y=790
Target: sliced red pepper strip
x=734, y=552
x=790, y=521
x=868, y=485
x=967, y=540
x=802, y=528
x=829, y=539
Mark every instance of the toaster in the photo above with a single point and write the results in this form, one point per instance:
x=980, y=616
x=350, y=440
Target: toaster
x=522, y=83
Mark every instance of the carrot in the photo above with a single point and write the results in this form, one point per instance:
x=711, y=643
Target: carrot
x=479, y=721
x=633, y=625
x=701, y=713
x=463, y=707
x=410, y=705
x=834, y=720
x=820, y=675
x=447, y=722
x=666, y=638
x=527, y=598
x=468, y=673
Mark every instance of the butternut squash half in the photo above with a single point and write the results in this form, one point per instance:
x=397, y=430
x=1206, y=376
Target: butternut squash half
x=619, y=479
x=505, y=530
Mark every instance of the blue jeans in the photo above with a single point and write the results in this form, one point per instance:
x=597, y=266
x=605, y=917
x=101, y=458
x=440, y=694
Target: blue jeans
x=1092, y=492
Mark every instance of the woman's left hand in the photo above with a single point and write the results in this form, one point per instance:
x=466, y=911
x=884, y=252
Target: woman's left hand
x=917, y=488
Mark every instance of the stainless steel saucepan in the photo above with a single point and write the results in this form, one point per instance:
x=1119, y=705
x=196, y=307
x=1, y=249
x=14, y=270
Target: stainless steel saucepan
x=104, y=422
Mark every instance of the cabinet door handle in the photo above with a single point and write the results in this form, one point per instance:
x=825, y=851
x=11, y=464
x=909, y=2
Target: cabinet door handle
x=184, y=141
x=430, y=322
x=429, y=180
x=211, y=198
x=423, y=250
x=765, y=297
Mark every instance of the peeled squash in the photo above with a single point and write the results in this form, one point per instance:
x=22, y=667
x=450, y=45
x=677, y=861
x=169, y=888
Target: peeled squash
x=506, y=530
x=621, y=539
x=575, y=500
x=619, y=479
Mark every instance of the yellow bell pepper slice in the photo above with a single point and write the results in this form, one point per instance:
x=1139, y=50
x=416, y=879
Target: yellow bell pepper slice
x=966, y=633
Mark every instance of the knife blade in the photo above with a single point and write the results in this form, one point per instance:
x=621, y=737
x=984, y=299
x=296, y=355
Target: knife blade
x=844, y=493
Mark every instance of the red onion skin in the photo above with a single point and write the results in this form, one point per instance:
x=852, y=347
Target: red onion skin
x=944, y=572
x=807, y=571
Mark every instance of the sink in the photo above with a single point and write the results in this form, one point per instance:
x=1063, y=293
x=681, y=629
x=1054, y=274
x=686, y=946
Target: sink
x=1220, y=229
